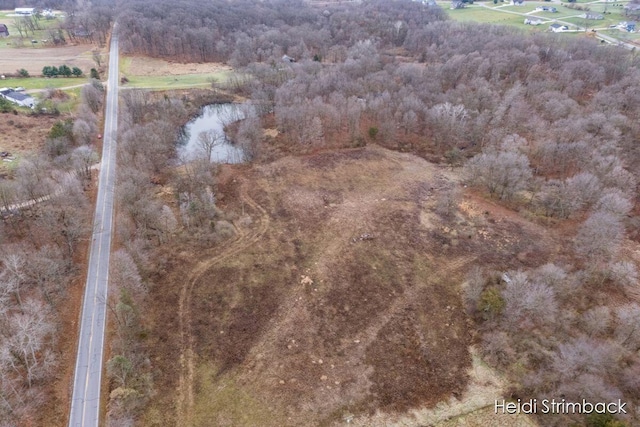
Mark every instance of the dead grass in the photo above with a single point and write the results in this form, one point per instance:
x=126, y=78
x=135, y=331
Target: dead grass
x=146, y=66
x=33, y=60
x=21, y=134
x=347, y=307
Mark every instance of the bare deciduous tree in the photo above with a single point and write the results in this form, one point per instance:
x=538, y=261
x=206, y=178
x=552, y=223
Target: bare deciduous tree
x=627, y=330
x=208, y=141
x=528, y=303
x=502, y=173
x=599, y=238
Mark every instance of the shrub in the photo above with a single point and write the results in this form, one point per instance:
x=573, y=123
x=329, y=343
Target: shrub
x=603, y=420
x=491, y=303
x=224, y=230
x=373, y=132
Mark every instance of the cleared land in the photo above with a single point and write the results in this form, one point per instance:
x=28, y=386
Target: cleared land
x=505, y=14
x=21, y=134
x=338, y=296
x=488, y=16
x=145, y=72
x=33, y=60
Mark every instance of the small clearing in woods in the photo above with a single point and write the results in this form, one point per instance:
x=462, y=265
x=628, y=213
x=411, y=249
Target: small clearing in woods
x=348, y=305
x=145, y=66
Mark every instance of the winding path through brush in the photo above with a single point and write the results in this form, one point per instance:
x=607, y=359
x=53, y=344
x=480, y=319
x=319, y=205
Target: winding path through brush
x=244, y=239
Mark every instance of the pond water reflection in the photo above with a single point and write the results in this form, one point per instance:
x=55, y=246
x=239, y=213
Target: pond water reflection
x=205, y=135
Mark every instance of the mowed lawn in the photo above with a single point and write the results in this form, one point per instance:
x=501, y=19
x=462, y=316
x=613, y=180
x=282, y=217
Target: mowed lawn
x=484, y=15
x=623, y=35
x=43, y=83
x=515, y=15
x=530, y=9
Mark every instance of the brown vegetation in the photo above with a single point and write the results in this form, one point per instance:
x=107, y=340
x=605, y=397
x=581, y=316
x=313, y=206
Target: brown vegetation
x=23, y=134
x=33, y=60
x=350, y=301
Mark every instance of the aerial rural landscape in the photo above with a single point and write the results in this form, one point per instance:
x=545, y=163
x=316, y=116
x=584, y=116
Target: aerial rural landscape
x=319, y=213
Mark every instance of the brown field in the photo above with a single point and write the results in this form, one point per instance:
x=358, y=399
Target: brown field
x=33, y=60
x=146, y=66
x=21, y=134
x=338, y=299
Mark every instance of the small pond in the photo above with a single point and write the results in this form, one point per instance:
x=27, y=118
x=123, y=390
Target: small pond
x=212, y=120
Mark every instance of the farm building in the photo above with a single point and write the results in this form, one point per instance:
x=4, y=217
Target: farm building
x=21, y=99
x=4, y=31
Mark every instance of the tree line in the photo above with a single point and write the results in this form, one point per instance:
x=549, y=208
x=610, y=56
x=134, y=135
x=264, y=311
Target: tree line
x=63, y=70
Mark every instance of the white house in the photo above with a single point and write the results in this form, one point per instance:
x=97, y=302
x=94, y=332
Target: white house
x=593, y=16
x=25, y=11
x=533, y=21
x=21, y=99
x=557, y=28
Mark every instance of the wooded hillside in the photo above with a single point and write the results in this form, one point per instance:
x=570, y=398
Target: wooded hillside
x=542, y=125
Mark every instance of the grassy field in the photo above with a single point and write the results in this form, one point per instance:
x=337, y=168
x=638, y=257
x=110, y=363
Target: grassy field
x=622, y=35
x=506, y=14
x=484, y=15
x=174, y=82
x=43, y=83
x=590, y=24
x=530, y=8
x=153, y=73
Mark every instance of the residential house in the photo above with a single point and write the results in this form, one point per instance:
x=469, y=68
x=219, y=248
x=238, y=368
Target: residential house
x=546, y=9
x=25, y=11
x=557, y=28
x=533, y=21
x=21, y=99
x=4, y=31
x=286, y=58
x=628, y=26
x=517, y=2
x=593, y=15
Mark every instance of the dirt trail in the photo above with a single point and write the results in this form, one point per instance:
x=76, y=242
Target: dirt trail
x=243, y=240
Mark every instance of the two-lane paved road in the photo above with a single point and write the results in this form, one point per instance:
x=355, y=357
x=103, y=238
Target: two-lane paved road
x=85, y=403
